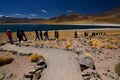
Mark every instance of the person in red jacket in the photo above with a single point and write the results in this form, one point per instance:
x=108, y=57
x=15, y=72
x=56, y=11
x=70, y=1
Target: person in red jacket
x=9, y=34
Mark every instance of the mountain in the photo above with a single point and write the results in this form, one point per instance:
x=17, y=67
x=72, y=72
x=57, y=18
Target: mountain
x=69, y=17
x=5, y=19
x=112, y=16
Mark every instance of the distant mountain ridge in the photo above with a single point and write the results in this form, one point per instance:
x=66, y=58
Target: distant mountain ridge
x=5, y=19
x=77, y=17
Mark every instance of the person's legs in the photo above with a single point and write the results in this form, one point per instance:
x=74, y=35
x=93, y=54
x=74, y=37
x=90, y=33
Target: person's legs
x=10, y=40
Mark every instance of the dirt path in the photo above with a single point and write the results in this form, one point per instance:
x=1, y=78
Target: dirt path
x=62, y=64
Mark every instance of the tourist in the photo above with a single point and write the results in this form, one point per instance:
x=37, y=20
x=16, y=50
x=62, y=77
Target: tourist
x=37, y=35
x=86, y=34
x=46, y=35
x=23, y=35
x=19, y=35
x=9, y=35
x=41, y=37
x=56, y=35
x=75, y=34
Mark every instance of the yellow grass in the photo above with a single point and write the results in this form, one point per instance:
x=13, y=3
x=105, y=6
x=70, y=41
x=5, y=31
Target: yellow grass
x=6, y=59
x=88, y=55
x=68, y=44
x=35, y=57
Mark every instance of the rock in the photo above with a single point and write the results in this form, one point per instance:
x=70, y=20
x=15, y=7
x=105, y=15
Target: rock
x=91, y=75
x=40, y=62
x=44, y=65
x=1, y=49
x=32, y=71
x=93, y=78
x=18, y=44
x=2, y=76
x=15, y=52
x=86, y=62
x=38, y=68
x=24, y=54
x=2, y=44
x=8, y=76
x=38, y=75
x=27, y=75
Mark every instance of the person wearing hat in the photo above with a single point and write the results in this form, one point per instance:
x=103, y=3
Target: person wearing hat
x=9, y=34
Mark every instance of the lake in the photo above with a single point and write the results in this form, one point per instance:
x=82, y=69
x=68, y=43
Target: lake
x=33, y=27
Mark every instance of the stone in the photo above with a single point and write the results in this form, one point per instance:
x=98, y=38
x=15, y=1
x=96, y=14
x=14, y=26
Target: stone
x=24, y=54
x=1, y=49
x=38, y=68
x=38, y=75
x=44, y=65
x=2, y=76
x=93, y=78
x=15, y=52
x=40, y=62
x=32, y=71
x=2, y=44
x=27, y=75
x=8, y=76
x=86, y=62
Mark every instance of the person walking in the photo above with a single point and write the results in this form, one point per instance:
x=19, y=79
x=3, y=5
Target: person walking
x=9, y=35
x=41, y=35
x=56, y=35
x=19, y=35
x=75, y=34
x=37, y=35
x=23, y=35
x=46, y=35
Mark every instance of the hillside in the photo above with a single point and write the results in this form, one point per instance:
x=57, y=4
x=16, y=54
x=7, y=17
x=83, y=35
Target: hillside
x=112, y=16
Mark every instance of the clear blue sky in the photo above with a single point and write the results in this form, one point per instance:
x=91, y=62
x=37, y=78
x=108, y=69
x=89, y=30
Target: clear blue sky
x=51, y=8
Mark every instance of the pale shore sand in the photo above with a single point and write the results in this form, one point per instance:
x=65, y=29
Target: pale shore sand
x=90, y=24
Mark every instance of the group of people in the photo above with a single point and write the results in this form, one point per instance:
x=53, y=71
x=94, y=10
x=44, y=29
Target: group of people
x=21, y=35
x=39, y=35
x=94, y=34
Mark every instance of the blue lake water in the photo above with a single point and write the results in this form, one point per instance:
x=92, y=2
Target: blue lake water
x=33, y=27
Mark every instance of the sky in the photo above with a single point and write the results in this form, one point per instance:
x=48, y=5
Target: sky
x=52, y=8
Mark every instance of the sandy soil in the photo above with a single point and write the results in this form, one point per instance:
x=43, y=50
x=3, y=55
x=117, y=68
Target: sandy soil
x=60, y=62
x=19, y=66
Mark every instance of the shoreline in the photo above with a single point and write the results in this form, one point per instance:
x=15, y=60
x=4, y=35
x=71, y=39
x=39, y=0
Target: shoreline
x=83, y=30
x=87, y=24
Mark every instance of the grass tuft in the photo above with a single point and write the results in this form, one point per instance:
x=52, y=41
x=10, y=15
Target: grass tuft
x=35, y=57
x=6, y=59
x=117, y=68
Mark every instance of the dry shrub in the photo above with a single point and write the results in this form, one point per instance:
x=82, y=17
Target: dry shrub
x=35, y=57
x=96, y=43
x=112, y=38
x=68, y=44
x=117, y=68
x=57, y=46
x=110, y=46
x=88, y=41
x=88, y=55
x=36, y=43
x=6, y=59
x=47, y=42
